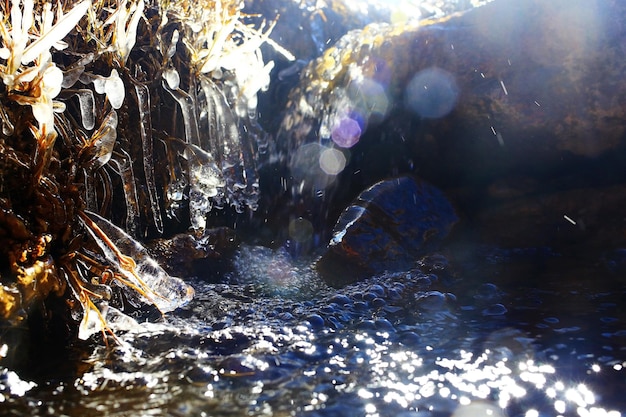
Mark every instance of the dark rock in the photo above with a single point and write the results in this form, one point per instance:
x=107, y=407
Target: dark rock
x=388, y=227
x=526, y=100
x=187, y=255
x=585, y=218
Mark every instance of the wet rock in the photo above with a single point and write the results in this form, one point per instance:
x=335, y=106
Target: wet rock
x=583, y=218
x=525, y=100
x=186, y=255
x=387, y=227
x=520, y=91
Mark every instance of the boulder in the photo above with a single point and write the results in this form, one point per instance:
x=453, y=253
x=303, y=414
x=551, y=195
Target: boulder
x=388, y=227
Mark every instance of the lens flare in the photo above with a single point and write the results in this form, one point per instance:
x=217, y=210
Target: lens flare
x=432, y=93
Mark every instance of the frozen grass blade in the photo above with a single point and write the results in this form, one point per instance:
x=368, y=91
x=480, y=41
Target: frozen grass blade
x=61, y=28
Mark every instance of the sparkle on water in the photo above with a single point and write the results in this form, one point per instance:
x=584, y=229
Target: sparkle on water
x=277, y=341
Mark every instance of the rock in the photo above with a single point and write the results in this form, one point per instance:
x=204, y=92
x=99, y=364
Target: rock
x=187, y=255
x=387, y=227
x=578, y=219
x=511, y=90
x=524, y=85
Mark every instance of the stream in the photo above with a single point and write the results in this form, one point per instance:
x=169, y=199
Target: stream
x=472, y=329
x=502, y=332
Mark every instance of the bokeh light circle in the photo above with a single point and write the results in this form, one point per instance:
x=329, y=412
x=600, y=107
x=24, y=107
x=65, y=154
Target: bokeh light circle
x=346, y=132
x=332, y=161
x=300, y=229
x=432, y=93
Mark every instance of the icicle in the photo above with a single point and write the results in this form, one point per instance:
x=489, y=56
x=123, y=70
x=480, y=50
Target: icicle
x=87, y=108
x=101, y=143
x=160, y=289
x=231, y=145
x=205, y=182
x=171, y=50
x=122, y=165
x=91, y=202
x=105, y=181
x=7, y=126
x=175, y=189
x=145, y=126
x=187, y=106
x=248, y=154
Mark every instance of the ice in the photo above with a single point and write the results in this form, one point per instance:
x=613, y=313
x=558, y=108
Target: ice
x=7, y=126
x=103, y=140
x=172, y=78
x=165, y=292
x=221, y=148
x=87, y=108
x=122, y=164
x=205, y=182
x=175, y=188
x=114, y=89
x=172, y=48
x=145, y=126
x=64, y=24
x=90, y=324
x=187, y=107
x=71, y=75
x=230, y=140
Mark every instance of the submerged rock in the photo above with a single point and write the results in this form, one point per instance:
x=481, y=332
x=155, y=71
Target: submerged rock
x=387, y=227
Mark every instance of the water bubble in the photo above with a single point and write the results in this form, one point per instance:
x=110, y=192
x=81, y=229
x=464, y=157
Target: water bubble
x=346, y=132
x=432, y=93
x=495, y=310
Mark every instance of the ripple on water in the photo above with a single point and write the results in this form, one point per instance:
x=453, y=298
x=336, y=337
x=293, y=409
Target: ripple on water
x=397, y=344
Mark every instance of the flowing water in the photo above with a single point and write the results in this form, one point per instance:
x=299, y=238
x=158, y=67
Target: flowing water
x=494, y=333
x=475, y=331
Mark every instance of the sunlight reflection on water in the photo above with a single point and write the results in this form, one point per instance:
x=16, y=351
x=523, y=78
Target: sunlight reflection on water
x=336, y=354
